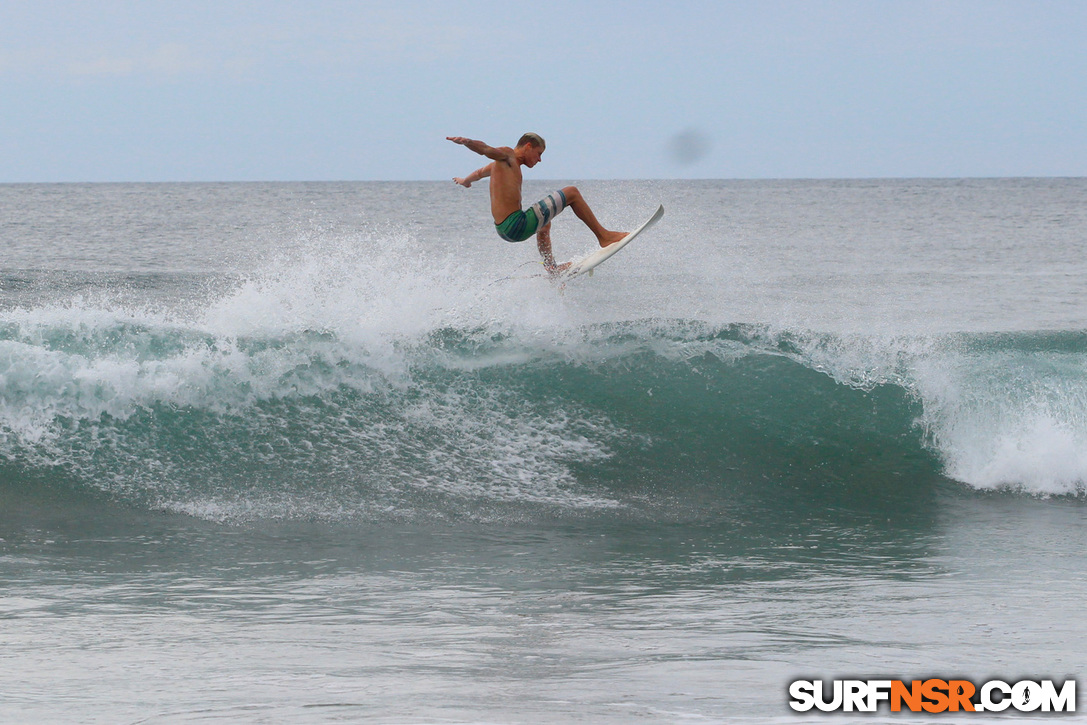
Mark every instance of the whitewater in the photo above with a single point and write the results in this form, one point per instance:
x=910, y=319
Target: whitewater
x=313, y=452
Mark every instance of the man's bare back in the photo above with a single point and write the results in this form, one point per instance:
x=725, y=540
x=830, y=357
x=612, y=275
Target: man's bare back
x=506, y=179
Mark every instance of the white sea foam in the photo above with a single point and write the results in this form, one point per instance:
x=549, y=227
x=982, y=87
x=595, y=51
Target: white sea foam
x=334, y=342
x=999, y=415
x=1009, y=419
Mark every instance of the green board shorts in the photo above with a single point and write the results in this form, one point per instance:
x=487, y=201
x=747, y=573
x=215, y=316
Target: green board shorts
x=520, y=225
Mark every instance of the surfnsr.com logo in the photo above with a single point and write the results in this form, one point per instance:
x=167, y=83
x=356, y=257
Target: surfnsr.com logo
x=933, y=695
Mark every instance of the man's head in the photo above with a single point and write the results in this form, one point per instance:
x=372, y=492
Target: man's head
x=532, y=139
x=532, y=147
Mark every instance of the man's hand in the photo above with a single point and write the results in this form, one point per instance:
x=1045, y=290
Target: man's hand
x=463, y=182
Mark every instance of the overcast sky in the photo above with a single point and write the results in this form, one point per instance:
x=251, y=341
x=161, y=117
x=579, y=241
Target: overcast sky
x=322, y=90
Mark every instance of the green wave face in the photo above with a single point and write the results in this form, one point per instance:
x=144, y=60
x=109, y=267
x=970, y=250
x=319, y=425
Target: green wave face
x=656, y=417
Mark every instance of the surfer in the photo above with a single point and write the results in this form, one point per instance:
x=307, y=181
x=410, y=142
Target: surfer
x=515, y=224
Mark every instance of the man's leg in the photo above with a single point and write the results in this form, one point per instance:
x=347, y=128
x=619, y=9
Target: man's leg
x=543, y=243
x=577, y=202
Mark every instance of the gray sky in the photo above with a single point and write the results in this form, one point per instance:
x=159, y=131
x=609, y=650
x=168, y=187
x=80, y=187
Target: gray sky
x=326, y=90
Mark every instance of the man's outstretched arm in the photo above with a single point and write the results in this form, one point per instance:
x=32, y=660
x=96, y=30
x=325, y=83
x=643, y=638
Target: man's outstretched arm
x=495, y=154
x=475, y=176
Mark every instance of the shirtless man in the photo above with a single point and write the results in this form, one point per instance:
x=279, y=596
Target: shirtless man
x=511, y=222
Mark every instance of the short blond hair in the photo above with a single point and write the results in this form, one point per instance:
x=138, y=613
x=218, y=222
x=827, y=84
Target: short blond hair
x=533, y=139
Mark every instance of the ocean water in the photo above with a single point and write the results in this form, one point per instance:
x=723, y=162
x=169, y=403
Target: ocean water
x=334, y=452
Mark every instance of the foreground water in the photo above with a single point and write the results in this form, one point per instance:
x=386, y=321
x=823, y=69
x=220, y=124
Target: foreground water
x=332, y=452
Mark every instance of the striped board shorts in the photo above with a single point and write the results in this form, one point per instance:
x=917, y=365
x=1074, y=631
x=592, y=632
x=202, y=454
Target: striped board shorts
x=520, y=225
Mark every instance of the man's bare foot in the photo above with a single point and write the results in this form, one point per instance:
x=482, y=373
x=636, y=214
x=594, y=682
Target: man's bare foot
x=610, y=238
x=558, y=269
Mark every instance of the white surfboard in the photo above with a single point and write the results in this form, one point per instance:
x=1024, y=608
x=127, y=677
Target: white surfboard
x=587, y=264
